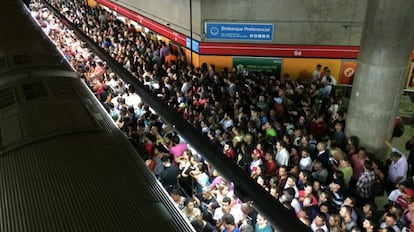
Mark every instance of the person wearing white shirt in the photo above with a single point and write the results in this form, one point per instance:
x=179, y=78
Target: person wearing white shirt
x=392, y=197
x=282, y=156
x=316, y=73
x=133, y=99
x=324, y=79
x=305, y=162
x=226, y=122
x=319, y=223
x=227, y=207
x=397, y=171
x=186, y=85
x=111, y=81
x=291, y=183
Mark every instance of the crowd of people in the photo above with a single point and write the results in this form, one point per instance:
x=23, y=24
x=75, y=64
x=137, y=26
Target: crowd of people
x=288, y=135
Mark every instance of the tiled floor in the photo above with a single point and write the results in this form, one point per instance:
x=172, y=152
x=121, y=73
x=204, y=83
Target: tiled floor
x=406, y=112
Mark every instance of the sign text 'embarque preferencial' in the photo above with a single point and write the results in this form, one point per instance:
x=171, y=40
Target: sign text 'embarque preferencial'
x=239, y=31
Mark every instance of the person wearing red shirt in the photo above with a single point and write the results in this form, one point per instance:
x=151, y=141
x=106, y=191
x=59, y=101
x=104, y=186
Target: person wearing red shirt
x=318, y=127
x=405, y=198
x=282, y=175
x=270, y=164
x=308, y=192
x=229, y=151
x=409, y=215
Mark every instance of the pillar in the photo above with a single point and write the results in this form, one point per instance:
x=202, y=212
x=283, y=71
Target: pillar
x=386, y=46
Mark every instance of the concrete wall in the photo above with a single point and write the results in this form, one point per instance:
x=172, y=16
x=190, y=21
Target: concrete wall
x=323, y=22
x=172, y=13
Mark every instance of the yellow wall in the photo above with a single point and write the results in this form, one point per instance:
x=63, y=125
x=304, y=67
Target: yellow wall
x=91, y=3
x=219, y=61
x=302, y=68
x=196, y=58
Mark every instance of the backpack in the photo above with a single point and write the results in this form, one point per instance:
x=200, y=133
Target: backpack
x=398, y=128
x=333, y=91
x=378, y=188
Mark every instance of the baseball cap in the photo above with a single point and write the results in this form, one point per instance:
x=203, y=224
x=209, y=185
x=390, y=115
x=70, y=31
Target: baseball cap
x=257, y=152
x=410, y=192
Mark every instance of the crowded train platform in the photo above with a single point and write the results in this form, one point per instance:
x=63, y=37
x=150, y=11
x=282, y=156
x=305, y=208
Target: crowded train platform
x=287, y=135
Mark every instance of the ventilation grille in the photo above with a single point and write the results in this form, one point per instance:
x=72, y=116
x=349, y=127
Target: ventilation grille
x=1, y=138
x=47, y=58
x=3, y=62
x=22, y=59
x=61, y=88
x=34, y=90
x=7, y=97
x=29, y=59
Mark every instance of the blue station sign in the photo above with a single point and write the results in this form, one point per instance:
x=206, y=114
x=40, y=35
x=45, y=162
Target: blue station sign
x=239, y=31
x=192, y=44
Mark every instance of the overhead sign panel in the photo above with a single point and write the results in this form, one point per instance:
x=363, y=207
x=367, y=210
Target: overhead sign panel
x=239, y=31
x=192, y=44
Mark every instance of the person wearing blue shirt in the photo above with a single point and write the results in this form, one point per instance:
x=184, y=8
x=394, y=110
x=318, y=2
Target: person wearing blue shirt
x=262, y=225
x=227, y=221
